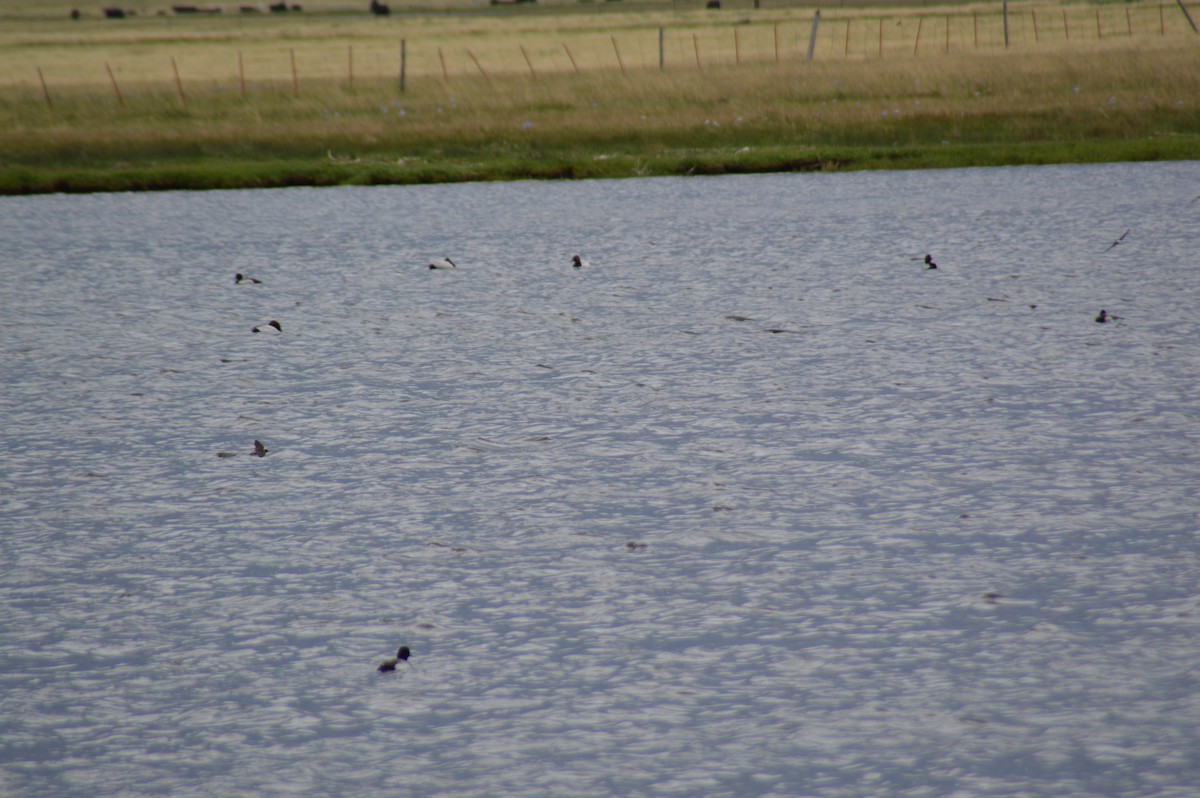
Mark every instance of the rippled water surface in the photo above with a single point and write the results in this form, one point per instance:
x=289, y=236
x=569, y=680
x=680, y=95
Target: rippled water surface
x=752, y=504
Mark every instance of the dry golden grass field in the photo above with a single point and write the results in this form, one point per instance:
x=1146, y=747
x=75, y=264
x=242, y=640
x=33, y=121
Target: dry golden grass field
x=458, y=91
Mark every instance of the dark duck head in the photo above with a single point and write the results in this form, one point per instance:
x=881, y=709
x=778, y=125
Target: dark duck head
x=390, y=663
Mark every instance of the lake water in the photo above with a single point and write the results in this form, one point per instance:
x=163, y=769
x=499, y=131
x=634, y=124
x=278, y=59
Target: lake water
x=752, y=504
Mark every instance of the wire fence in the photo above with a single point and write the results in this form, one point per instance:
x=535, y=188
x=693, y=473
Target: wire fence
x=831, y=36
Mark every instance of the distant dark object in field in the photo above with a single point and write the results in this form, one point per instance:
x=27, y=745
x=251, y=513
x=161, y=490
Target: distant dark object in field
x=114, y=12
x=511, y=2
x=634, y=545
x=380, y=9
x=390, y=663
x=443, y=263
x=278, y=8
x=578, y=262
x=714, y=4
x=250, y=9
x=241, y=278
x=1102, y=317
x=1118, y=241
x=75, y=13
x=259, y=449
x=929, y=264
x=196, y=9
x=272, y=323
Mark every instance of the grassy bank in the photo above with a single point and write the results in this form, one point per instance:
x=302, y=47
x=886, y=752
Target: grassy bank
x=1116, y=100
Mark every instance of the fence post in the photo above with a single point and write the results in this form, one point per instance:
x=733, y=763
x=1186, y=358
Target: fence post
x=617, y=50
x=662, y=61
x=178, y=83
x=479, y=66
x=295, y=77
x=525, y=53
x=241, y=76
x=812, y=37
x=737, y=48
x=350, y=67
x=403, y=62
x=1183, y=8
x=1033, y=12
x=1004, y=10
x=45, y=91
x=917, y=42
x=116, y=88
x=696, y=47
x=574, y=65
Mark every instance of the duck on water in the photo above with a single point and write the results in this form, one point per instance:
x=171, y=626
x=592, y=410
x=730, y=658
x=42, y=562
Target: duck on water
x=390, y=663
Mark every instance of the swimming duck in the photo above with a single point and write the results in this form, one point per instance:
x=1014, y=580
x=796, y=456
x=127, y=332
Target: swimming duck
x=241, y=278
x=272, y=323
x=579, y=262
x=390, y=663
x=929, y=264
x=1102, y=317
x=443, y=263
x=259, y=449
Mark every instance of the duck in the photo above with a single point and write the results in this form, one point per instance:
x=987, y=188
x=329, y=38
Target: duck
x=579, y=262
x=929, y=264
x=390, y=663
x=443, y=263
x=272, y=323
x=259, y=449
x=1102, y=316
x=240, y=278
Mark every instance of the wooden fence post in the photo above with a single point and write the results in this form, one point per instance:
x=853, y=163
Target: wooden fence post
x=1183, y=8
x=178, y=83
x=116, y=89
x=617, y=50
x=525, y=53
x=479, y=66
x=350, y=67
x=403, y=63
x=442, y=59
x=917, y=42
x=1004, y=11
x=45, y=91
x=241, y=76
x=1033, y=13
x=295, y=78
x=662, y=53
x=574, y=65
x=696, y=47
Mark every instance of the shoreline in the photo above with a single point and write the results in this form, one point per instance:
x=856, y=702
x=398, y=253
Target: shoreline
x=224, y=173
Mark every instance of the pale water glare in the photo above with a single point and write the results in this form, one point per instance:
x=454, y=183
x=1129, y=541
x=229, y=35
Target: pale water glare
x=754, y=504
